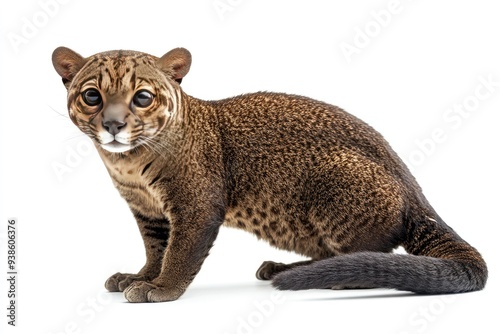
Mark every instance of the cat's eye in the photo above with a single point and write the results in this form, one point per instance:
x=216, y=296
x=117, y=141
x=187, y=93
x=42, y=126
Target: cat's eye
x=143, y=99
x=92, y=97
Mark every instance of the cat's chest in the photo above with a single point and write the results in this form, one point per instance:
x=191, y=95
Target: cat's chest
x=126, y=169
x=127, y=172
x=132, y=178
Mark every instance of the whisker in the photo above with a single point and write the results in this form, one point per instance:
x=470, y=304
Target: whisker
x=161, y=148
x=65, y=115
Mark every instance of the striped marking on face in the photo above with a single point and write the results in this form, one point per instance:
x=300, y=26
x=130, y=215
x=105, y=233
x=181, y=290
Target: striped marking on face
x=118, y=80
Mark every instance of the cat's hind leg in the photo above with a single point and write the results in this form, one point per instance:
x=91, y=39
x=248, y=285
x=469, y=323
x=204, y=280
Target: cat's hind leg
x=268, y=269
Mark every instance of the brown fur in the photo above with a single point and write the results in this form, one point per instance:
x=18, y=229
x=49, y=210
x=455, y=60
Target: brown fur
x=301, y=174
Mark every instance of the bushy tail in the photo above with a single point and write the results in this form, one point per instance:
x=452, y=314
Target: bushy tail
x=439, y=262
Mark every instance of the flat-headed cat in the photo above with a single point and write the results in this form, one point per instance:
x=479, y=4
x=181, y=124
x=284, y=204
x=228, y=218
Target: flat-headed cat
x=301, y=174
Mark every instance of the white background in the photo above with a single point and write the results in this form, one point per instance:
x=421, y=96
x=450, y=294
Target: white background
x=74, y=229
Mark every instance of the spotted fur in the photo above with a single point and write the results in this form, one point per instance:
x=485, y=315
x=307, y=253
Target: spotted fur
x=301, y=174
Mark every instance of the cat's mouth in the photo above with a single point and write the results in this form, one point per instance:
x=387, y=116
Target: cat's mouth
x=116, y=147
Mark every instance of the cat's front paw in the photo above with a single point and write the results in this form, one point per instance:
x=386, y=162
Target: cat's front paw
x=119, y=282
x=144, y=292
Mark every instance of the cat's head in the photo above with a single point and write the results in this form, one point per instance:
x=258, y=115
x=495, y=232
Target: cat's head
x=122, y=99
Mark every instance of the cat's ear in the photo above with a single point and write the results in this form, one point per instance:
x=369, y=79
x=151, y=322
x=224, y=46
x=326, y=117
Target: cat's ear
x=67, y=63
x=176, y=63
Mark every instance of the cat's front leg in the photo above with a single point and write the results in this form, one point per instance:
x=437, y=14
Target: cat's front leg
x=155, y=233
x=194, y=228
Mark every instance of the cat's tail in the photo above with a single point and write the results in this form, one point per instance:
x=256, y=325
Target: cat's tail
x=439, y=262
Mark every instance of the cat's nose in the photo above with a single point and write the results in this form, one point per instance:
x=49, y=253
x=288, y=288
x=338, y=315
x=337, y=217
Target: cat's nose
x=113, y=126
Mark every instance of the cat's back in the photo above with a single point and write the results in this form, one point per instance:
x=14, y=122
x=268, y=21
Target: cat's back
x=279, y=112
x=297, y=127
